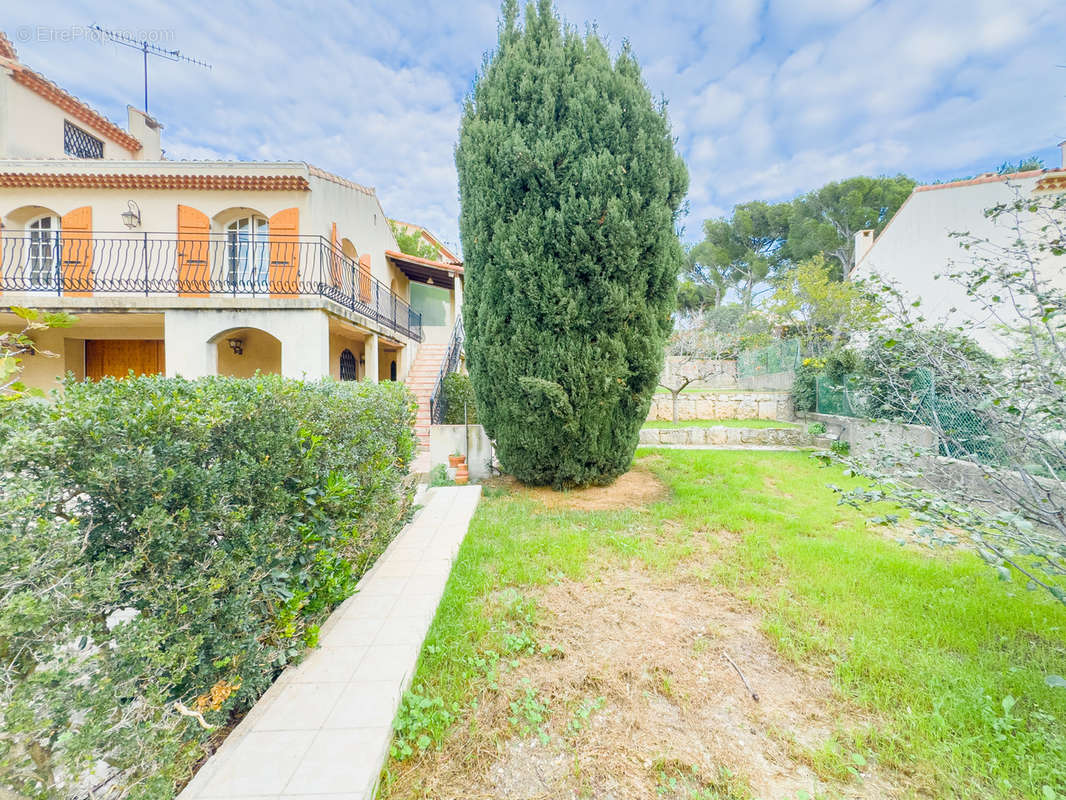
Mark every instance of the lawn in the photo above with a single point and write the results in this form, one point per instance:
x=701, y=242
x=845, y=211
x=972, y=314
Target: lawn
x=725, y=423
x=580, y=650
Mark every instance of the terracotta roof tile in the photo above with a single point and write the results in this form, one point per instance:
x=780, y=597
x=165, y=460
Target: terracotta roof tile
x=7, y=50
x=1052, y=182
x=429, y=262
x=253, y=183
x=73, y=106
x=318, y=172
x=990, y=177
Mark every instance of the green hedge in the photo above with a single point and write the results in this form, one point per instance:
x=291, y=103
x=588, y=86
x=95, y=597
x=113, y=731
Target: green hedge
x=221, y=518
x=459, y=395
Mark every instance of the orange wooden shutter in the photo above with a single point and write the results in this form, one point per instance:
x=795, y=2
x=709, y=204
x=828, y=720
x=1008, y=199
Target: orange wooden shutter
x=194, y=270
x=364, y=277
x=76, y=230
x=335, y=273
x=285, y=253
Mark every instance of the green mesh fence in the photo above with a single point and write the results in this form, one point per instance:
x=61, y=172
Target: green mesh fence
x=781, y=356
x=964, y=432
x=848, y=399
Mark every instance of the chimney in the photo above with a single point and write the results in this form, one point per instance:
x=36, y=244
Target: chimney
x=864, y=240
x=1062, y=149
x=148, y=132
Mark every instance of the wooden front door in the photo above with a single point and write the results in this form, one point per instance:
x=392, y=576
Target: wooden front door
x=116, y=357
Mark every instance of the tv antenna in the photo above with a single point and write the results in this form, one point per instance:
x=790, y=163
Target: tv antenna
x=148, y=49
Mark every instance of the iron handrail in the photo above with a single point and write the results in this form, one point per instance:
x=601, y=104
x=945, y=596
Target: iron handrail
x=200, y=264
x=438, y=406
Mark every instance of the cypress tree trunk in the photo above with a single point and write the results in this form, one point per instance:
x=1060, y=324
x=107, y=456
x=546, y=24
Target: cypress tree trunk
x=569, y=188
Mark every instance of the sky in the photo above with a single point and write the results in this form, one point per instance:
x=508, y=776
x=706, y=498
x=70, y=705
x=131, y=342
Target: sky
x=767, y=99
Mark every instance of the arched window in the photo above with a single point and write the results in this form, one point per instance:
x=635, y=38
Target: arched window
x=43, y=252
x=392, y=370
x=348, y=369
x=248, y=254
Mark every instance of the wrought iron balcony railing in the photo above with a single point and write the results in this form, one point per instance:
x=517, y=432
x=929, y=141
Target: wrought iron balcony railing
x=198, y=265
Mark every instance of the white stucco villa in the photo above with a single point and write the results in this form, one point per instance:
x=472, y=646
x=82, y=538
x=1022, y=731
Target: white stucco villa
x=200, y=268
x=917, y=244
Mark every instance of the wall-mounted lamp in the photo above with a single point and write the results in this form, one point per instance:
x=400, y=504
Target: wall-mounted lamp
x=237, y=346
x=132, y=218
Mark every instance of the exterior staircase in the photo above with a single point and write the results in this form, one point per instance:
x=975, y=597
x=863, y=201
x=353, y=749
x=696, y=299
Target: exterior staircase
x=421, y=380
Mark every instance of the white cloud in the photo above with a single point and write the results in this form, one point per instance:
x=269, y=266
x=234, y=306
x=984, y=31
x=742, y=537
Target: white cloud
x=767, y=98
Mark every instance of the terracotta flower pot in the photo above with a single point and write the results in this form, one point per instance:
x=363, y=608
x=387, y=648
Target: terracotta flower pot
x=462, y=475
x=455, y=461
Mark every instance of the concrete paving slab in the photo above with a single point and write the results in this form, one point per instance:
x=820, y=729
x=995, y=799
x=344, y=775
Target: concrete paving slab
x=323, y=729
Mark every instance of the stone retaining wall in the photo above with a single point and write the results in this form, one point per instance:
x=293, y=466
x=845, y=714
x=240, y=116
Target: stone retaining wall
x=723, y=405
x=864, y=435
x=722, y=436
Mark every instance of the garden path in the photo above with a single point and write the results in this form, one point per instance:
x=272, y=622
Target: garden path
x=324, y=728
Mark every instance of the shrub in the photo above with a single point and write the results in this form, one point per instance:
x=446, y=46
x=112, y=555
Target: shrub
x=816, y=428
x=840, y=363
x=438, y=476
x=168, y=546
x=804, y=391
x=460, y=405
x=570, y=190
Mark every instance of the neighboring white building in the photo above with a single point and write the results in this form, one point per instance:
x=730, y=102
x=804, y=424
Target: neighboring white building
x=200, y=268
x=917, y=245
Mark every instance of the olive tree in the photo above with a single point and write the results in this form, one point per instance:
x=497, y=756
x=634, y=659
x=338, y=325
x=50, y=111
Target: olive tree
x=999, y=479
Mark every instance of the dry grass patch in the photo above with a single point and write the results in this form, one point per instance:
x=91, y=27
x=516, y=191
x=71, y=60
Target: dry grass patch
x=635, y=488
x=637, y=699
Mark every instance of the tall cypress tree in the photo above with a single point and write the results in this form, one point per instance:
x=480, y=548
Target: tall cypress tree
x=569, y=188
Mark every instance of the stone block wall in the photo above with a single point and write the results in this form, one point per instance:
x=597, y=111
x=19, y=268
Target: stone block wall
x=864, y=435
x=723, y=405
x=731, y=437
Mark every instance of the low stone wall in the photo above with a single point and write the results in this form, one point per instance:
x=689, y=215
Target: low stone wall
x=722, y=405
x=470, y=440
x=721, y=436
x=864, y=435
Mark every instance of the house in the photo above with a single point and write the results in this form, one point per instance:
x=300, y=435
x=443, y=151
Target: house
x=198, y=268
x=916, y=245
x=429, y=238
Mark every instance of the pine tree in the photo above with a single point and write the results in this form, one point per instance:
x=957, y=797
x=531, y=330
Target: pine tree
x=570, y=189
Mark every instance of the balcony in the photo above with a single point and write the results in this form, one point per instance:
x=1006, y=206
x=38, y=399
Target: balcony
x=199, y=265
